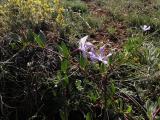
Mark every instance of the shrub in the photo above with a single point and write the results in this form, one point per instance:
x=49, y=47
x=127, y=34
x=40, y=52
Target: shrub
x=24, y=13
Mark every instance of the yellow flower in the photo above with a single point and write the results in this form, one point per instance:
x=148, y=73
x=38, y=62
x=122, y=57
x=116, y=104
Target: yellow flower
x=60, y=10
x=60, y=19
x=56, y=1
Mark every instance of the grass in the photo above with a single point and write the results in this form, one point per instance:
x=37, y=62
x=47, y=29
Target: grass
x=44, y=76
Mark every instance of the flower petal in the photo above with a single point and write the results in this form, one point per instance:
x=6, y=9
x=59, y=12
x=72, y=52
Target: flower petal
x=102, y=50
x=145, y=28
x=105, y=61
x=82, y=42
x=84, y=53
x=148, y=28
x=92, y=55
x=89, y=45
x=109, y=55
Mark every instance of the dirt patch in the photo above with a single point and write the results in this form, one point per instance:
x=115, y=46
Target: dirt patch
x=113, y=32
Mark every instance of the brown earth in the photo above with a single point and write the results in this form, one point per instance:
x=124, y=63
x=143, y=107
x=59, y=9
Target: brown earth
x=102, y=36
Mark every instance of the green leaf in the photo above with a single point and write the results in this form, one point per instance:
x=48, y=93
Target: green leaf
x=39, y=40
x=129, y=109
x=64, y=50
x=66, y=80
x=88, y=116
x=102, y=68
x=64, y=65
x=62, y=115
x=113, y=88
x=83, y=62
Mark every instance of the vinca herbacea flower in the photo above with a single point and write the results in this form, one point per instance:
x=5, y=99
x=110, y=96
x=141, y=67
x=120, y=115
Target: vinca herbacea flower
x=87, y=48
x=99, y=57
x=145, y=28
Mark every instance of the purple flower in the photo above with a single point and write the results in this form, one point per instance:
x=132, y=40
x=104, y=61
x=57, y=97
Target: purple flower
x=99, y=57
x=145, y=28
x=84, y=46
x=92, y=55
x=87, y=48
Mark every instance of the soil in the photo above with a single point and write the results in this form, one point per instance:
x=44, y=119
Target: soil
x=102, y=36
